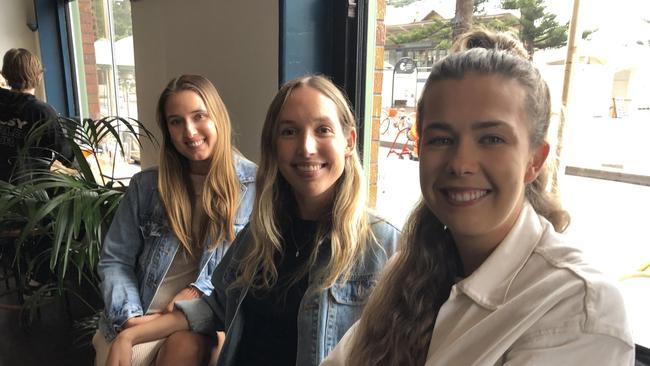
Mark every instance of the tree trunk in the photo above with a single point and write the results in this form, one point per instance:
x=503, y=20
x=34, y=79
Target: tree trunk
x=463, y=20
x=529, y=45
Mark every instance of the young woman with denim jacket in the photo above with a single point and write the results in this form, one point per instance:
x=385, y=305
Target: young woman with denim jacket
x=175, y=222
x=299, y=274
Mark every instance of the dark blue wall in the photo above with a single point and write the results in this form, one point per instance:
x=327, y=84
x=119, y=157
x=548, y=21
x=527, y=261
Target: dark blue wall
x=53, y=38
x=305, y=38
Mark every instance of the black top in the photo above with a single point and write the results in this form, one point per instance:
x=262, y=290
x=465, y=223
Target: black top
x=270, y=334
x=19, y=112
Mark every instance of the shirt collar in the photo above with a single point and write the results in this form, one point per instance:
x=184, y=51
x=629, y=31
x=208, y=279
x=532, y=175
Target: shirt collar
x=489, y=284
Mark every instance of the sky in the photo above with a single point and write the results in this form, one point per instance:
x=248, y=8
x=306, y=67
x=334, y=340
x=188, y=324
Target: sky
x=618, y=22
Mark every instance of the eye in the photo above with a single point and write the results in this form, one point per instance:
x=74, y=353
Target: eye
x=439, y=141
x=288, y=131
x=200, y=116
x=173, y=122
x=491, y=140
x=324, y=130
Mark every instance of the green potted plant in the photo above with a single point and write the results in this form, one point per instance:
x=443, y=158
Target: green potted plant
x=70, y=209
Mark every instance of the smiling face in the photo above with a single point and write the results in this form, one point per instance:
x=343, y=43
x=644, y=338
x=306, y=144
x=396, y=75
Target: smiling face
x=311, y=148
x=475, y=155
x=193, y=133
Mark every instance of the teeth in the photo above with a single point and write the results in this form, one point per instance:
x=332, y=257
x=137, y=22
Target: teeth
x=467, y=196
x=195, y=143
x=308, y=167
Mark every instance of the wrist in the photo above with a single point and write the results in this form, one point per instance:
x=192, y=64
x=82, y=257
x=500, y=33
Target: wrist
x=125, y=335
x=195, y=291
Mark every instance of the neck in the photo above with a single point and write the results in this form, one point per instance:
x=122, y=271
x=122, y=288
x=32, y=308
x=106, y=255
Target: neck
x=475, y=249
x=473, y=252
x=312, y=209
x=26, y=91
x=199, y=167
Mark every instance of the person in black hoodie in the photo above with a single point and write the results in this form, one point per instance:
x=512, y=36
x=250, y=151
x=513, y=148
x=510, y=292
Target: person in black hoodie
x=20, y=111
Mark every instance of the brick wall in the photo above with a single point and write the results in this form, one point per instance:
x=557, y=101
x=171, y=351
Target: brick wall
x=380, y=39
x=87, y=18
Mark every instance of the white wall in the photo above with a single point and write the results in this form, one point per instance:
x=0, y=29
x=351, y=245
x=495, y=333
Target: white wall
x=233, y=43
x=14, y=33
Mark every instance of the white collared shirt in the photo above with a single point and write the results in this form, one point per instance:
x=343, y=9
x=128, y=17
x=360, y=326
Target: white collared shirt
x=532, y=302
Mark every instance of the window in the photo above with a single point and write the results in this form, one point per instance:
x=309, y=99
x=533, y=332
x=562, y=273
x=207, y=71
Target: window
x=102, y=42
x=604, y=165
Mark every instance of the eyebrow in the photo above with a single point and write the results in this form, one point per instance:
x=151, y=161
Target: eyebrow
x=475, y=126
x=317, y=119
x=191, y=112
x=489, y=124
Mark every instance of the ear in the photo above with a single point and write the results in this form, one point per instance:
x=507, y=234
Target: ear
x=536, y=162
x=351, y=142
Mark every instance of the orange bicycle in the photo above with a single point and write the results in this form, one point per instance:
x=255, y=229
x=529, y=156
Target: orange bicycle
x=396, y=118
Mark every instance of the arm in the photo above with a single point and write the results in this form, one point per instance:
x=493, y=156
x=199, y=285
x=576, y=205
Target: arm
x=116, y=267
x=188, y=293
x=121, y=349
x=242, y=217
x=557, y=348
x=207, y=314
x=53, y=139
x=340, y=353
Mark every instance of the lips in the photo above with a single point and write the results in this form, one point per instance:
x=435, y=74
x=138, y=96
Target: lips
x=195, y=143
x=463, y=196
x=308, y=169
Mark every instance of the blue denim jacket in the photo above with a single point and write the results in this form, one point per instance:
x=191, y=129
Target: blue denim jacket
x=140, y=246
x=323, y=317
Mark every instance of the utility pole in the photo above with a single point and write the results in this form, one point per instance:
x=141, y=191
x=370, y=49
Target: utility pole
x=566, y=88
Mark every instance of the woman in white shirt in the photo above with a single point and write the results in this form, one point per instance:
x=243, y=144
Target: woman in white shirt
x=483, y=277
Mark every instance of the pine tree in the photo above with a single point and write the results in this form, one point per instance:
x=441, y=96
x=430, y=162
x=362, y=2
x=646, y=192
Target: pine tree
x=538, y=28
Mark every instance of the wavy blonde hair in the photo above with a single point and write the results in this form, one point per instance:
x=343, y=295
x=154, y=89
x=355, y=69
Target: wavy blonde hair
x=397, y=323
x=346, y=223
x=221, y=190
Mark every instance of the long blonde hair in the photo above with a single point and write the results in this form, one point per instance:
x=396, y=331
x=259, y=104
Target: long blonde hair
x=221, y=190
x=346, y=224
x=416, y=285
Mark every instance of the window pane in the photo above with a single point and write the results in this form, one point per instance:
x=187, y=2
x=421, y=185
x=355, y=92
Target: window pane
x=106, y=76
x=604, y=166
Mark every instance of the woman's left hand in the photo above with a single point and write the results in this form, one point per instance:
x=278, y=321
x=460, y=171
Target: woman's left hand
x=188, y=293
x=120, y=353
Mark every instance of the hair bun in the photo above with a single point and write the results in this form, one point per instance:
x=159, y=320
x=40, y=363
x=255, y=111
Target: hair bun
x=483, y=38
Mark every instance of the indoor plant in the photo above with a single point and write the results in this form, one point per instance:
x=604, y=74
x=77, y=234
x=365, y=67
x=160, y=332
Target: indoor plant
x=70, y=209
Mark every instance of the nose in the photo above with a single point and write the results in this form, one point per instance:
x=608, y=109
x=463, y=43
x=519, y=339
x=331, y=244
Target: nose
x=308, y=144
x=189, y=129
x=462, y=160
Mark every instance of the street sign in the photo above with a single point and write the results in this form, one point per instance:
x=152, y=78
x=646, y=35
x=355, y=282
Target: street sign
x=405, y=65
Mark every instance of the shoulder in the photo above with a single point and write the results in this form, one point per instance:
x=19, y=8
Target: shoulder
x=576, y=290
x=40, y=110
x=384, y=233
x=146, y=178
x=236, y=253
x=144, y=184
x=43, y=107
x=244, y=168
x=242, y=242
x=380, y=225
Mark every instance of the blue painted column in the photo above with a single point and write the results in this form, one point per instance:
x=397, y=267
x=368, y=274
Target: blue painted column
x=326, y=37
x=55, y=55
x=305, y=38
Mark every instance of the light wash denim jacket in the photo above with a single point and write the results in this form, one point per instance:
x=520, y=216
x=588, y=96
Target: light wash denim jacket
x=323, y=317
x=140, y=246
